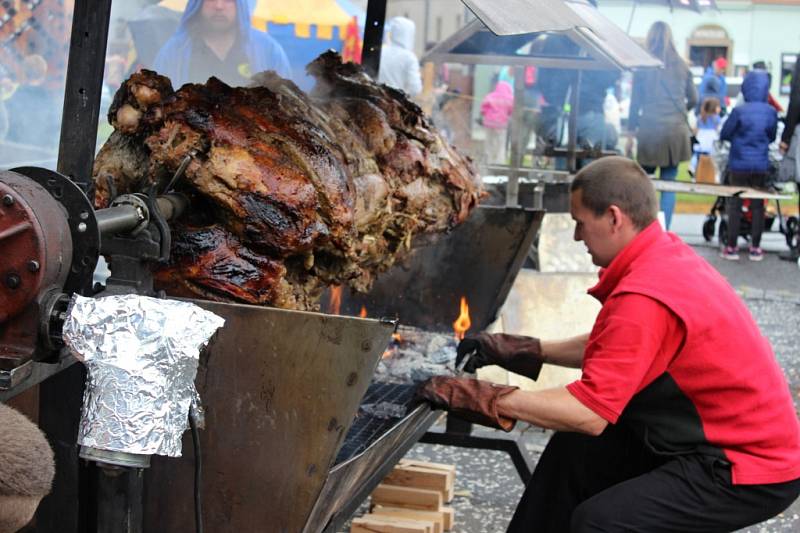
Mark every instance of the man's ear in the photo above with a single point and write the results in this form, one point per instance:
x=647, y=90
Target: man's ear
x=617, y=217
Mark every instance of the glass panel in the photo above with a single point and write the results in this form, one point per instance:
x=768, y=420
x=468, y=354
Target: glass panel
x=33, y=61
x=190, y=41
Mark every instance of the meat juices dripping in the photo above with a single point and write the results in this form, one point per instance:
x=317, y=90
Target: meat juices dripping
x=289, y=192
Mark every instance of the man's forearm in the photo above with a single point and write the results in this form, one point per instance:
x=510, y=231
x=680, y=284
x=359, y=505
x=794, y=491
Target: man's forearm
x=565, y=352
x=552, y=409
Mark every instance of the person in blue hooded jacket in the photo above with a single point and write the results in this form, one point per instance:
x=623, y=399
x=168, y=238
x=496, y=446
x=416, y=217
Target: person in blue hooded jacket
x=215, y=38
x=750, y=128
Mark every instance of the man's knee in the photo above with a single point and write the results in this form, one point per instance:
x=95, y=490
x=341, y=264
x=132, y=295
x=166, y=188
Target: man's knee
x=592, y=516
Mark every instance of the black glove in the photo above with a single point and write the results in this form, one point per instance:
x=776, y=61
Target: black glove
x=470, y=399
x=516, y=353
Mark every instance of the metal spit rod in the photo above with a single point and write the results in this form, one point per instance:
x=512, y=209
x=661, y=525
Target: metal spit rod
x=126, y=217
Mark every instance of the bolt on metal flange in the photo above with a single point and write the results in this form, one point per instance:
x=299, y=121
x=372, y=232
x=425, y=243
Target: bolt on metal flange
x=13, y=281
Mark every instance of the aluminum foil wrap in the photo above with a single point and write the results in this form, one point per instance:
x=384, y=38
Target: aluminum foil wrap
x=141, y=356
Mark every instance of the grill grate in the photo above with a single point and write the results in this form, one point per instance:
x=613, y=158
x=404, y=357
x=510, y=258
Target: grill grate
x=366, y=429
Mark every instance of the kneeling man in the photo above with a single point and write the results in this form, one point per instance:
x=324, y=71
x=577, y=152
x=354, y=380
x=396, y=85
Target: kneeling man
x=681, y=420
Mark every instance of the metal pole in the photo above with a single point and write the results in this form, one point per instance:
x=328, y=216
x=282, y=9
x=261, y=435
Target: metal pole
x=66, y=508
x=574, y=112
x=517, y=150
x=373, y=37
x=87, y=55
x=426, y=27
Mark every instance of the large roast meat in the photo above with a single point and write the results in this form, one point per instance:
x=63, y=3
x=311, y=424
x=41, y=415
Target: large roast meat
x=289, y=192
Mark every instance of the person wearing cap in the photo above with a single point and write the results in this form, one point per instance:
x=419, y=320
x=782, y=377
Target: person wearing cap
x=714, y=84
x=681, y=420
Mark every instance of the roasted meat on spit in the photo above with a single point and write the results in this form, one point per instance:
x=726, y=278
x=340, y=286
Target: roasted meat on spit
x=289, y=192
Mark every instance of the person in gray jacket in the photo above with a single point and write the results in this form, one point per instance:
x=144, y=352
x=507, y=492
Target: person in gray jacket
x=660, y=102
x=399, y=66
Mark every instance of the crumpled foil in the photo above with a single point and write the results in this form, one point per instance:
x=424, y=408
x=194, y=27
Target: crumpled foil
x=141, y=356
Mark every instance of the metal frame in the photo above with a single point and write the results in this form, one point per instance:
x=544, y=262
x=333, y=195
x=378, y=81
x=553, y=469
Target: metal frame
x=373, y=36
x=69, y=507
x=522, y=464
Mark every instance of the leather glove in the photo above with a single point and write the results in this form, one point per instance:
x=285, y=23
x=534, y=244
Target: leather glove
x=516, y=353
x=470, y=399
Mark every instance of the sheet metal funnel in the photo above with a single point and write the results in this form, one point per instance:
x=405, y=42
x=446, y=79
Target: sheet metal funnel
x=280, y=389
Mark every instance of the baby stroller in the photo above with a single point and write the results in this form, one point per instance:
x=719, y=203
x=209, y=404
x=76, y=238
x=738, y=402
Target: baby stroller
x=787, y=226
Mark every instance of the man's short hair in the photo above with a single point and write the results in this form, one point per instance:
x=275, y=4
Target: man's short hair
x=26, y=469
x=619, y=181
x=26, y=459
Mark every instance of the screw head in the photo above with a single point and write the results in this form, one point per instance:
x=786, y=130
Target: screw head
x=33, y=266
x=13, y=281
x=8, y=200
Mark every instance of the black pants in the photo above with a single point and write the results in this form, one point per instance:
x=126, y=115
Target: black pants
x=614, y=483
x=733, y=208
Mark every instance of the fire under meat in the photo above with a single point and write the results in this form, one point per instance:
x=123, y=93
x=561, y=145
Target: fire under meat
x=290, y=192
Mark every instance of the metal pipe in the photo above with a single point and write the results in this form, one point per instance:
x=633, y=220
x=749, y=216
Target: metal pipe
x=517, y=149
x=118, y=219
x=172, y=205
x=126, y=217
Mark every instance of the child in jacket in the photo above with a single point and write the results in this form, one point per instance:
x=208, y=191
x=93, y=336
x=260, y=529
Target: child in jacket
x=750, y=128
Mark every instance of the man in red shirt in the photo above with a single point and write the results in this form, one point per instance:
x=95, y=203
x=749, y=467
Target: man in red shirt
x=682, y=419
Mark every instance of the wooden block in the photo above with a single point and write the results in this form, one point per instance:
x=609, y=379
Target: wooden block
x=436, y=517
x=449, y=517
x=447, y=493
x=385, y=524
x=396, y=496
x=427, y=464
x=423, y=478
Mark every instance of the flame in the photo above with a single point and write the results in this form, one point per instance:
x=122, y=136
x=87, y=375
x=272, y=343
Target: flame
x=335, y=304
x=363, y=313
x=462, y=323
x=393, y=346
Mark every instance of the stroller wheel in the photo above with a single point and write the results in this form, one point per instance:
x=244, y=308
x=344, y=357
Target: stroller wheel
x=708, y=227
x=792, y=225
x=722, y=234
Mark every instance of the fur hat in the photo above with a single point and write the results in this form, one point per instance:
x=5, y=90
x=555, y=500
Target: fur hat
x=26, y=459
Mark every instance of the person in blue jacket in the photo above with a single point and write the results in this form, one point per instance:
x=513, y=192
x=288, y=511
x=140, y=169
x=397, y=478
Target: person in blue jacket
x=750, y=128
x=215, y=38
x=714, y=85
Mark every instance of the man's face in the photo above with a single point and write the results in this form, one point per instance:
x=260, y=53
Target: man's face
x=219, y=15
x=596, y=232
x=718, y=69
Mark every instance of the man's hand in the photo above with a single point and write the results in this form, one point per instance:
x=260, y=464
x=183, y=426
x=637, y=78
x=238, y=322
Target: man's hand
x=784, y=147
x=470, y=399
x=516, y=353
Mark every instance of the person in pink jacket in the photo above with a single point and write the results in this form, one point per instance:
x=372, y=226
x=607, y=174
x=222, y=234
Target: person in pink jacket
x=496, y=109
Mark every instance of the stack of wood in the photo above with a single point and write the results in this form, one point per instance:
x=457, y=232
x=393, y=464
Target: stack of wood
x=411, y=499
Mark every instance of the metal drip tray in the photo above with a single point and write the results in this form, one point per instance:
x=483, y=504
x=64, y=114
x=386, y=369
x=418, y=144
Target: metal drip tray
x=367, y=428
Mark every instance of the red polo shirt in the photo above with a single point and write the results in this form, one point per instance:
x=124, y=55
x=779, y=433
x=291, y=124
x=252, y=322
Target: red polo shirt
x=676, y=355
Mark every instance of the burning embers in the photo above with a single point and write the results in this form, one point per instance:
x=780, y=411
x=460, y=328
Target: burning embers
x=415, y=355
